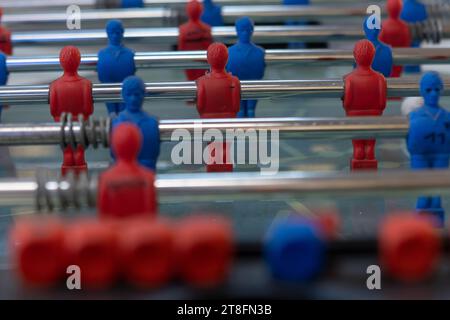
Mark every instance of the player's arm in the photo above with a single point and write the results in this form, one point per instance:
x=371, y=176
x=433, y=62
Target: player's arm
x=383, y=92
x=89, y=100
x=200, y=97
x=347, y=97
x=53, y=101
x=236, y=94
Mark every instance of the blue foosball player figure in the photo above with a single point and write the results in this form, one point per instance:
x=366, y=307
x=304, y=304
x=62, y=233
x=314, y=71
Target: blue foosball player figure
x=290, y=22
x=132, y=4
x=383, y=60
x=413, y=12
x=115, y=62
x=133, y=93
x=3, y=75
x=428, y=138
x=212, y=14
x=246, y=61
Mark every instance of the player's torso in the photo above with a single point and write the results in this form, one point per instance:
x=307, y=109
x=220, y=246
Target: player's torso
x=115, y=64
x=196, y=37
x=395, y=33
x=429, y=133
x=383, y=60
x=218, y=96
x=246, y=62
x=70, y=95
x=365, y=93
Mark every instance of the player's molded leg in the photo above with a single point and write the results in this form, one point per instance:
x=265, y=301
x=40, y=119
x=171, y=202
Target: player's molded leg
x=80, y=161
x=68, y=160
x=370, y=149
x=219, y=151
x=251, y=106
x=413, y=68
x=358, y=149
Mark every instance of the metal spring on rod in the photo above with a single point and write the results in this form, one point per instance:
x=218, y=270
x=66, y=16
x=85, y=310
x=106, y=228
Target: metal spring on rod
x=430, y=30
x=66, y=192
x=92, y=132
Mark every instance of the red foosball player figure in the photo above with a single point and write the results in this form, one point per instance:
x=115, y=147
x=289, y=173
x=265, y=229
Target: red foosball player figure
x=5, y=38
x=127, y=188
x=395, y=32
x=71, y=94
x=194, y=35
x=218, y=96
x=364, y=95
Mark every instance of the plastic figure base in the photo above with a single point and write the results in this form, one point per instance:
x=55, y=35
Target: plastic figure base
x=437, y=214
x=219, y=167
x=364, y=164
x=75, y=169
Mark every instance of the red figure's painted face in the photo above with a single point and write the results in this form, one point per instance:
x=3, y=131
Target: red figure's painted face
x=126, y=141
x=217, y=55
x=194, y=10
x=394, y=8
x=70, y=59
x=364, y=52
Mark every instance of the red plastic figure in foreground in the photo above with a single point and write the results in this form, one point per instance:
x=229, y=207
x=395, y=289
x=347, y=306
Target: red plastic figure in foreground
x=127, y=188
x=395, y=32
x=218, y=96
x=364, y=95
x=194, y=35
x=5, y=38
x=71, y=94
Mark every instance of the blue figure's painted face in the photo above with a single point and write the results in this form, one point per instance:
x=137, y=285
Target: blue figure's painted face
x=370, y=31
x=134, y=98
x=115, y=35
x=431, y=91
x=244, y=33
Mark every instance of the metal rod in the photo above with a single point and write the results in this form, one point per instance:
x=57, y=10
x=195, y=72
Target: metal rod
x=97, y=132
x=266, y=89
x=64, y=193
x=169, y=36
x=170, y=16
x=37, y=4
x=197, y=59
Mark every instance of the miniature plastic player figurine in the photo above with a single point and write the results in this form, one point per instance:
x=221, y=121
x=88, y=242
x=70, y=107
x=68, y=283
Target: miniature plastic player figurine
x=246, y=61
x=115, y=62
x=289, y=22
x=218, y=96
x=133, y=93
x=194, y=35
x=5, y=38
x=71, y=94
x=395, y=32
x=413, y=11
x=364, y=95
x=127, y=188
x=3, y=75
x=212, y=14
x=383, y=53
x=428, y=139
x=132, y=4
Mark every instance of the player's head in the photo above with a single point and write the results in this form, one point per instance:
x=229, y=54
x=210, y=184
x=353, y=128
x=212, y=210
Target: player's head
x=217, y=56
x=208, y=2
x=372, y=28
x=70, y=59
x=114, y=29
x=194, y=10
x=126, y=141
x=133, y=93
x=431, y=86
x=394, y=8
x=244, y=29
x=364, y=52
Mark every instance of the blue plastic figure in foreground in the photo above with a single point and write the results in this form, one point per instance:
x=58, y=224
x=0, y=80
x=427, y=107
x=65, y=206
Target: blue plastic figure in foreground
x=212, y=14
x=383, y=60
x=133, y=93
x=115, y=62
x=246, y=61
x=3, y=75
x=428, y=139
x=413, y=11
x=132, y=3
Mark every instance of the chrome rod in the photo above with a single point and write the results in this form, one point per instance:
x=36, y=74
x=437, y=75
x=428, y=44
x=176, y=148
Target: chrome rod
x=262, y=34
x=65, y=193
x=170, y=16
x=266, y=89
x=197, y=59
x=96, y=132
